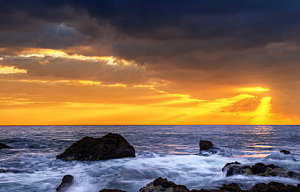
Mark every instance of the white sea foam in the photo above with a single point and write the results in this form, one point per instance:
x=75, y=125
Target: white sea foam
x=131, y=174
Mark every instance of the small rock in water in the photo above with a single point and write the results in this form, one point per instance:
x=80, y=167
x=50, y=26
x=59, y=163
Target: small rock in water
x=286, y=152
x=65, y=183
x=3, y=146
x=204, y=145
x=111, y=190
x=110, y=146
x=161, y=184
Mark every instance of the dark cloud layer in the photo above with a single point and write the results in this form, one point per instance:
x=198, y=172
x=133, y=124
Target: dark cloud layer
x=244, y=23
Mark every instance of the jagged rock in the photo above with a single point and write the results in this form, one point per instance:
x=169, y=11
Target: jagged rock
x=110, y=146
x=4, y=146
x=161, y=184
x=234, y=187
x=286, y=152
x=274, y=187
x=204, y=145
x=237, y=169
x=111, y=190
x=258, y=169
x=291, y=188
x=65, y=183
x=229, y=164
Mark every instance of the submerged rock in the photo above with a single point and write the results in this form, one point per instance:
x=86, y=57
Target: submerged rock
x=15, y=171
x=283, y=155
x=111, y=190
x=205, y=145
x=110, y=146
x=161, y=184
x=65, y=183
x=4, y=146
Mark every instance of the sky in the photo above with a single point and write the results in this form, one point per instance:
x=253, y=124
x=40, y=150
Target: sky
x=139, y=62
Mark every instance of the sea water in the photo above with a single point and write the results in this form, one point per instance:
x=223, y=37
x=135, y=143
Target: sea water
x=170, y=152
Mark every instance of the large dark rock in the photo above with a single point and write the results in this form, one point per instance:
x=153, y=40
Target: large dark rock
x=204, y=145
x=161, y=184
x=111, y=190
x=110, y=146
x=3, y=146
x=65, y=183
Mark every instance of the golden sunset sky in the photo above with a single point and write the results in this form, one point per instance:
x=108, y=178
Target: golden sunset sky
x=149, y=62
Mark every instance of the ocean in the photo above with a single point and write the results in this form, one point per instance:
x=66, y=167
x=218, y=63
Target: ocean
x=170, y=152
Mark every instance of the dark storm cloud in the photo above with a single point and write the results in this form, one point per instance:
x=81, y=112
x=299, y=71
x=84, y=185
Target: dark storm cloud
x=244, y=23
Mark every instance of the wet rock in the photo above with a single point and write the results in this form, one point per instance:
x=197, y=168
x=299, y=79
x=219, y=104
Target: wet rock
x=204, y=145
x=232, y=187
x=238, y=170
x=229, y=164
x=291, y=188
x=274, y=187
x=110, y=146
x=259, y=187
x=4, y=146
x=161, y=184
x=205, y=190
x=65, y=183
x=258, y=168
x=111, y=190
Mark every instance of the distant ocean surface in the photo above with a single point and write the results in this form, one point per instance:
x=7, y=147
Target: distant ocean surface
x=171, y=152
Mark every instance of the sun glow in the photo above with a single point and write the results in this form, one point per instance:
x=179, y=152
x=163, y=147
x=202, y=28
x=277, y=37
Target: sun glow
x=262, y=113
x=253, y=89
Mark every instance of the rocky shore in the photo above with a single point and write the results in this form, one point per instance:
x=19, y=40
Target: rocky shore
x=163, y=185
x=113, y=146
